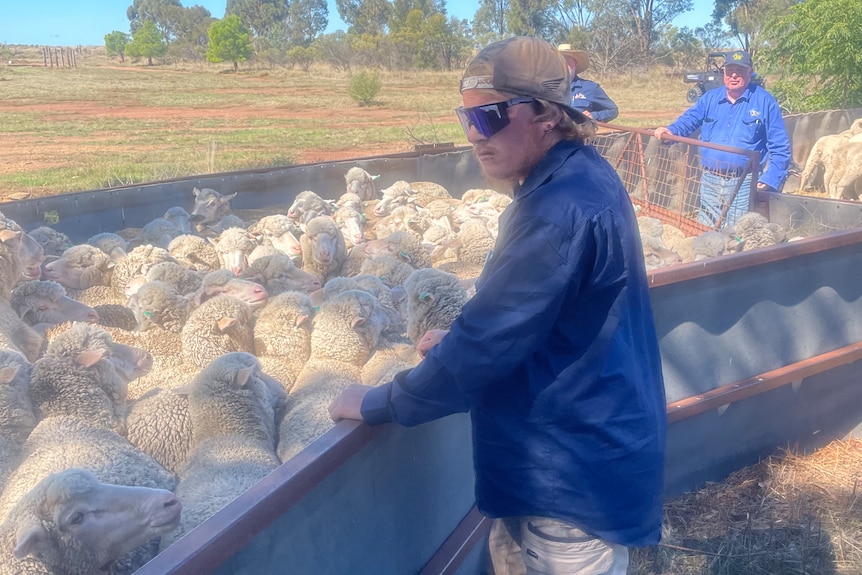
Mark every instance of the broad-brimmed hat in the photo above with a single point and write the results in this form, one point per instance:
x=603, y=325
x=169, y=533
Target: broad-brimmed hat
x=579, y=56
x=738, y=57
x=522, y=66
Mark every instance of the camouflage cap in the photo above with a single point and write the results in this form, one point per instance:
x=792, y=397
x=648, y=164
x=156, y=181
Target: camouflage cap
x=523, y=66
x=740, y=58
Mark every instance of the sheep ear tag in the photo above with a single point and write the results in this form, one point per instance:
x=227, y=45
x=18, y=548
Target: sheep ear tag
x=425, y=296
x=89, y=357
x=243, y=376
x=30, y=540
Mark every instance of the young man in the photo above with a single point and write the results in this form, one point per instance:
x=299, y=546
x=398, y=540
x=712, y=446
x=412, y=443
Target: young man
x=556, y=356
x=742, y=115
x=587, y=96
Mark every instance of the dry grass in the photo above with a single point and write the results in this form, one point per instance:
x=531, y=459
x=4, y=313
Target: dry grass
x=787, y=515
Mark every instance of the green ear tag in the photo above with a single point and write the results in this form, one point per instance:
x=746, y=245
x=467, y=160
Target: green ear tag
x=424, y=296
x=148, y=314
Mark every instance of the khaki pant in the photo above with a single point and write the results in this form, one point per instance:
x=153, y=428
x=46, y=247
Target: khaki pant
x=544, y=546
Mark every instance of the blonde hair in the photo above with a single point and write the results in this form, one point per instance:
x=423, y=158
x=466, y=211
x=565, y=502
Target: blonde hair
x=569, y=129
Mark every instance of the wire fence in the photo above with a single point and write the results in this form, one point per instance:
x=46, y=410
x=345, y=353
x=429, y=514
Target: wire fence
x=694, y=185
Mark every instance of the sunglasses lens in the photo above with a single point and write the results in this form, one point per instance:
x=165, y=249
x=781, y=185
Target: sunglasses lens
x=488, y=120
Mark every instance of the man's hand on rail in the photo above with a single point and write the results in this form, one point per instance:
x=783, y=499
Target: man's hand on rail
x=661, y=132
x=348, y=403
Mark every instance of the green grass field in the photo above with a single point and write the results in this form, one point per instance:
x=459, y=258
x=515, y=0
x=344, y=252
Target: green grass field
x=105, y=124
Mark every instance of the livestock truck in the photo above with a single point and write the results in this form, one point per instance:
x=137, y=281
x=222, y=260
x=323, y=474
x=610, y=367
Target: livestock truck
x=760, y=350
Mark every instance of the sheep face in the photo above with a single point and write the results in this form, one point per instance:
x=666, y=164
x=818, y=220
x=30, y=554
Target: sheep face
x=72, y=522
x=79, y=267
x=210, y=206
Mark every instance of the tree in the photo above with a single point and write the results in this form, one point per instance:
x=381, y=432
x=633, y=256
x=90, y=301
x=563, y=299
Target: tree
x=647, y=17
x=365, y=16
x=305, y=21
x=746, y=18
x=335, y=49
x=147, y=42
x=302, y=57
x=115, y=44
x=259, y=16
x=817, y=48
x=229, y=40
x=490, y=22
x=156, y=11
x=189, y=31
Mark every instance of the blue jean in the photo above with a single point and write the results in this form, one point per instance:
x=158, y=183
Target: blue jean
x=545, y=546
x=715, y=190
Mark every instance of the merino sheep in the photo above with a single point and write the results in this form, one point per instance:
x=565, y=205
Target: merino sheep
x=323, y=249
x=282, y=336
x=31, y=256
x=475, y=242
x=232, y=405
x=227, y=222
x=346, y=330
x=220, y=325
x=434, y=301
x=180, y=278
x=115, y=315
x=233, y=247
x=137, y=262
x=54, y=242
x=309, y=202
x=157, y=303
x=404, y=246
x=390, y=270
x=361, y=183
x=81, y=267
x=10, y=262
x=398, y=194
x=70, y=523
x=224, y=282
x=114, y=245
x=195, y=253
x=277, y=274
x=656, y=254
x=281, y=232
x=17, y=335
x=159, y=232
x=180, y=218
x=46, y=302
x=17, y=417
x=210, y=206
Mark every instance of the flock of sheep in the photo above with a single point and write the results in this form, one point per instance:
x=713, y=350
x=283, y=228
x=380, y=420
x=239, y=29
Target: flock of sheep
x=150, y=376
x=835, y=164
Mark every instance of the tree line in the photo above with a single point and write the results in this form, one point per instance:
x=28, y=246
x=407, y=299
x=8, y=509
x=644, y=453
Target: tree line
x=817, y=56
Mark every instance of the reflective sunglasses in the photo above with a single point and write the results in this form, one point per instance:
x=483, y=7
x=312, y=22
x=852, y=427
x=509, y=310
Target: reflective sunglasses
x=488, y=119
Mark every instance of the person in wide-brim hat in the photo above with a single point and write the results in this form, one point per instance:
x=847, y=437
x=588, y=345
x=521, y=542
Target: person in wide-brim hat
x=581, y=58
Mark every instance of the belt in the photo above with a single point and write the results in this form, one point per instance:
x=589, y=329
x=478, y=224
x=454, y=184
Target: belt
x=727, y=174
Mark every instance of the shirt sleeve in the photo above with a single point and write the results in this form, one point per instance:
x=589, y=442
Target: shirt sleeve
x=691, y=119
x=498, y=329
x=778, y=148
x=602, y=107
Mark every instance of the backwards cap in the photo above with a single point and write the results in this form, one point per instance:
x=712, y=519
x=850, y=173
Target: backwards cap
x=522, y=66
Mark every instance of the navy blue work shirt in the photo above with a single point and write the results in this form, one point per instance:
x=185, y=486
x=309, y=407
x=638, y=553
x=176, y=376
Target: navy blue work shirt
x=752, y=122
x=589, y=96
x=557, y=360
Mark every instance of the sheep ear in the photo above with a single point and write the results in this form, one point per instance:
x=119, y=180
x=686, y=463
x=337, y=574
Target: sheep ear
x=31, y=539
x=9, y=236
x=406, y=257
x=243, y=375
x=226, y=323
x=8, y=373
x=195, y=191
x=357, y=321
x=182, y=391
x=225, y=199
x=89, y=357
x=301, y=320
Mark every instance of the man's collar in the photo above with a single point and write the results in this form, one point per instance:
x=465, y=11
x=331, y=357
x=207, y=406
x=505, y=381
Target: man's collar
x=549, y=164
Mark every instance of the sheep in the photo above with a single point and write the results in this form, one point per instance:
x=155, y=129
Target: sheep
x=54, y=242
x=157, y=303
x=434, y=301
x=115, y=315
x=31, y=256
x=441, y=241
x=650, y=226
x=398, y=194
x=280, y=231
x=180, y=278
x=306, y=202
x=752, y=231
x=402, y=218
x=70, y=523
x=227, y=222
x=282, y=336
x=462, y=270
x=220, y=325
x=404, y=246
x=137, y=262
x=159, y=424
x=426, y=192
x=46, y=302
x=709, y=245
x=210, y=206
x=346, y=330
x=391, y=271
x=180, y=218
x=159, y=232
x=17, y=335
x=352, y=224
x=114, y=245
x=323, y=249
x=10, y=262
x=847, y=166
x=194, y=252
x=262, y=250
x=80, y=267
x=223, y=282
x=233, y=246
x=825, y=162
x=656, y=254
x=475, y=242
x=232, y=405
x=442, y=208
x=361, y=183
x=277, y=274
x=17, y=417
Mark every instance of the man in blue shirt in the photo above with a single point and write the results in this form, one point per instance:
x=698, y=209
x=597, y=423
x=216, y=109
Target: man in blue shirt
x=556, y=357
x=587, y=96
x=741, y=115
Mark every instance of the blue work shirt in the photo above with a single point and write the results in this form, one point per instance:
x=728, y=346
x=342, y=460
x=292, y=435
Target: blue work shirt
x=589, y=96
x=753, y=122
x=557, y=360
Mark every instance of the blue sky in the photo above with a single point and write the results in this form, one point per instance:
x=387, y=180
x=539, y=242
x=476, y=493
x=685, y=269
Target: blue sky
x=69, y=23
